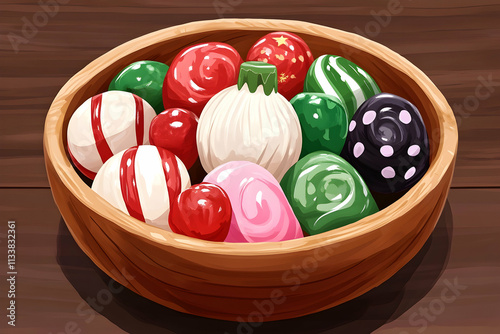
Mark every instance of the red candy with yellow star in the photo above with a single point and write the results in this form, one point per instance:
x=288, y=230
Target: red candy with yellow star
x=291, y=56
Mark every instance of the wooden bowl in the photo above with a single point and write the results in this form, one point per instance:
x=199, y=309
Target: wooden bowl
x=264, y=281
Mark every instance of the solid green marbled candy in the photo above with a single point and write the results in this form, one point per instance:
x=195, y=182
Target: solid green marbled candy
x=323, y=121
x=339, y=77
x=326, y=192
x=145, y=79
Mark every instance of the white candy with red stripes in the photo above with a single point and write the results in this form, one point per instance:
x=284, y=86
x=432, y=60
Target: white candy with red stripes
x=106, y=124
x=143, y=181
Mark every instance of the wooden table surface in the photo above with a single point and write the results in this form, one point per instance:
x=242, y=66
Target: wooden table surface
x=451, y=286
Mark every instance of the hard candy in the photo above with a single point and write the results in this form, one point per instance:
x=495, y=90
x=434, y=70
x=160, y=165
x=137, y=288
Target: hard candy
x=199, y=72
x=202, y=211
x=250, y=121
x=175, y=130
x=326, y=192
x=339, y=77
x=260, y=210
x=144, y=79
x=291, y=56
x=323, y=121
x=387, y=143
x=104, y=125
x=143, y=181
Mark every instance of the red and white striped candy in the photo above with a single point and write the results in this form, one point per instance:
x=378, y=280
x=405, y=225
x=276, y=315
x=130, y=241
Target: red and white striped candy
x=143, y=181
x=106, y=124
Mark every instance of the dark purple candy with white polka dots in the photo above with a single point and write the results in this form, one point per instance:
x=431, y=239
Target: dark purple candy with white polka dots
x=387, y=143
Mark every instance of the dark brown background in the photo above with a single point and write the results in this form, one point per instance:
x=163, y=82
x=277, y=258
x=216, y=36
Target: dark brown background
x=454, y=42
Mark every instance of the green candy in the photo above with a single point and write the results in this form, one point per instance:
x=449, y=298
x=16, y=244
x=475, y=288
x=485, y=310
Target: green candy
x=326, y=192
x=323, y=121
x=339, y=77
x=144, y=79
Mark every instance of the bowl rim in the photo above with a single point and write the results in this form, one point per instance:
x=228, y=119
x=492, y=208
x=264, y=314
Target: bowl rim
x=54, y=147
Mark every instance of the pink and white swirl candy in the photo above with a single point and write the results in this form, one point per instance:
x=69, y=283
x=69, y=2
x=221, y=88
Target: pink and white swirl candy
x=261, y=211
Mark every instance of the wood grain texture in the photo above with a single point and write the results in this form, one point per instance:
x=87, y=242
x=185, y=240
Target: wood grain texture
x=453, y=42
x=56, y=280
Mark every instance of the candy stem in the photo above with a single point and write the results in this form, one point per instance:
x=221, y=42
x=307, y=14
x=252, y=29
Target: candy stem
x=256, y=73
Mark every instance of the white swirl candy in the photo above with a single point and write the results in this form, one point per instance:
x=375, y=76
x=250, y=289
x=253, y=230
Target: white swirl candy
x=248, y=124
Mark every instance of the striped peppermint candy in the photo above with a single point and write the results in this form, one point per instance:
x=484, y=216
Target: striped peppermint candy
x=341, y=78
x=104, y=125
x=143, y=181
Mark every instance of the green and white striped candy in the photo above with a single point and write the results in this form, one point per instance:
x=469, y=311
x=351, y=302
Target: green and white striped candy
x=339, y=77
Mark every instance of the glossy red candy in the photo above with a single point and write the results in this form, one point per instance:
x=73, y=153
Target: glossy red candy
x=291, y=56
x=202, y=211
x=199, y=72
x=175, y=130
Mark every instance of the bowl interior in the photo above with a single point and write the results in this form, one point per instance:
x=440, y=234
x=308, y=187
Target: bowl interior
x=391, y=71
